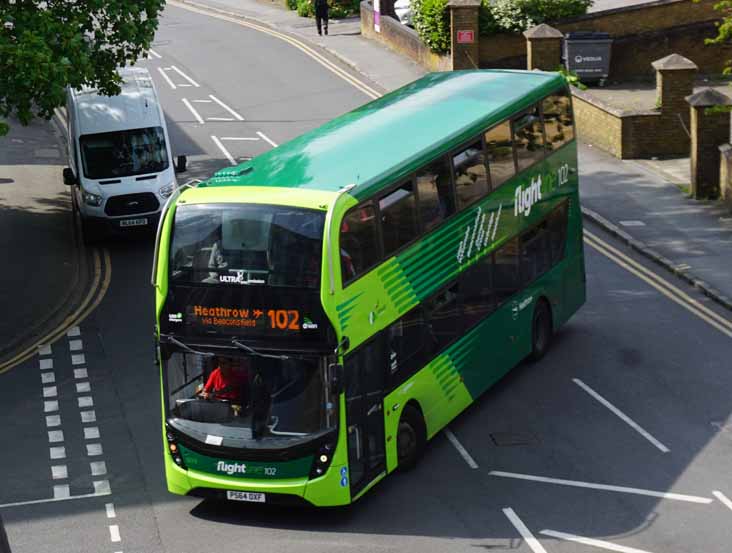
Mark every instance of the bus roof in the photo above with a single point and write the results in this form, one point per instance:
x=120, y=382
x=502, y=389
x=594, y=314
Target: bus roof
x=393, y=135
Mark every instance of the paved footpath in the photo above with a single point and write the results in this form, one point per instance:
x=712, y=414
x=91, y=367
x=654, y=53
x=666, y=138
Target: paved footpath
x=36, y=238
x=642, y=202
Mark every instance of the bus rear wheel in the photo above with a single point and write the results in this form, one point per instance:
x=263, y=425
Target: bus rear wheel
x=411, y=438
x=541, y=330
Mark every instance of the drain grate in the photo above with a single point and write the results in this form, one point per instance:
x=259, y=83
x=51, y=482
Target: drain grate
x=513, y=438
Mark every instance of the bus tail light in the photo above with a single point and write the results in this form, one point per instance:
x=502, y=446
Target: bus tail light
x=174, y=450
x=322, y=460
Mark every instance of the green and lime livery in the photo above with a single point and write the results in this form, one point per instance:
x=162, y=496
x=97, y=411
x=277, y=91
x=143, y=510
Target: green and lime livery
x=354, y=159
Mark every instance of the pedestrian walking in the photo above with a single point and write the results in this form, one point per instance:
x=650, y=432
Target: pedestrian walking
x=321, y=16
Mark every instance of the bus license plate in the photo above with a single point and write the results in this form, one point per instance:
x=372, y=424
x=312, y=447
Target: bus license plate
x=133, y=222
x=245, y=496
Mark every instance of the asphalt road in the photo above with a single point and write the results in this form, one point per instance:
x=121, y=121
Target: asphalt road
x=630, y=347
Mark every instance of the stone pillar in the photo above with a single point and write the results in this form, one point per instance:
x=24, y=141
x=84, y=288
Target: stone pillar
x=674, y=82
x=709, y=128
x=725, y=174
x=465, y=42
x=543, y=48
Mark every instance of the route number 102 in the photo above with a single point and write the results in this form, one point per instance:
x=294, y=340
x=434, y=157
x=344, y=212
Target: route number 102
x=563, y=174
x=284, y=319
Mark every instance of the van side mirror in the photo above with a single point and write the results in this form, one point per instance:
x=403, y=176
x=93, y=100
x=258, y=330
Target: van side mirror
x=336, y=378
x=69, y=177
x=180, y=165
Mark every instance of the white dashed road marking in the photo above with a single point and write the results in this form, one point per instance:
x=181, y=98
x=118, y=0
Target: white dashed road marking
x=264, y=137
x=110, y=510
x=521, y=528
x=460, y=449
x=80, y=373
x=227, y=108
x=186, y=77
x=165, y=76
x=193, y=111
x=223, y=150
x=726, y=501
x=88, y=416
x=602, y=487
x=114, y=533
x=592, y=542
x=78, y=359
x=622, y=416
x=46, y=364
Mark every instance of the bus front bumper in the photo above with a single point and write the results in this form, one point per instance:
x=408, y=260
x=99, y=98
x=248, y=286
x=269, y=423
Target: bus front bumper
x=326, y=490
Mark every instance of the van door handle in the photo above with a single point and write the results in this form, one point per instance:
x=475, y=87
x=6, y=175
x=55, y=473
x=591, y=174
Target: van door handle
x=374, y=408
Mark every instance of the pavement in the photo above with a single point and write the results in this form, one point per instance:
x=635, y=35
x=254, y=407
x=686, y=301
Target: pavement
x=641, y=202
x=41, y=265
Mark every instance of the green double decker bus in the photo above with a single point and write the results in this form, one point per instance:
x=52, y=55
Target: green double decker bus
x=326, y=308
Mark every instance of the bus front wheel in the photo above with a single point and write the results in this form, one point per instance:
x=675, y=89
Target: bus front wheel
x=411, y=438
x=541, y=330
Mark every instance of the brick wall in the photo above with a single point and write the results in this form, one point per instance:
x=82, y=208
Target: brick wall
x=628, y=134
x=641, y=34
x=401, y=39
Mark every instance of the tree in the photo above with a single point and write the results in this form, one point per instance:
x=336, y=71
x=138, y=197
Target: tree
x=46, y=45
x=724, y=28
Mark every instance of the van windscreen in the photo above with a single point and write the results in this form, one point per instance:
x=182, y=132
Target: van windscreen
x=123, y=153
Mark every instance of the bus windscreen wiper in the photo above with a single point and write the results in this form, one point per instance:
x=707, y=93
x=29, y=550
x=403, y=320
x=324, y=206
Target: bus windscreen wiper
x=253, y=351
x=185, y=347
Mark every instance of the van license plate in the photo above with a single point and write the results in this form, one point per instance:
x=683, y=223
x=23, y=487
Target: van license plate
x=133, y=222
x=245, y=496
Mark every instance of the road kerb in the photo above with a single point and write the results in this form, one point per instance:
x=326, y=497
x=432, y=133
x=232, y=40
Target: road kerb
x=641, y=247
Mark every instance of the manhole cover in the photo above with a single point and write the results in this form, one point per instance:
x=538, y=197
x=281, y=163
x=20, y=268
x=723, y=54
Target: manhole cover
x=513, y=438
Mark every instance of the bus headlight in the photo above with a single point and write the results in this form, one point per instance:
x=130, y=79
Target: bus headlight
x=167, y=190
x=91, y=199
x=173, y=449
x=322, y=460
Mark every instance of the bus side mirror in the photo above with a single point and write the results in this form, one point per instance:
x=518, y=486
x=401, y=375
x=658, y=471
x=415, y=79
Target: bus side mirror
x=180, y=166
x=69, y=178
x=336, y=378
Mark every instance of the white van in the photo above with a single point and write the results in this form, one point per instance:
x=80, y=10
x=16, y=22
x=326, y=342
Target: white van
x=120, y=164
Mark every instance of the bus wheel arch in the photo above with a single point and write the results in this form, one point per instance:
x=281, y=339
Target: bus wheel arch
x=542, y=329
x=411, y=436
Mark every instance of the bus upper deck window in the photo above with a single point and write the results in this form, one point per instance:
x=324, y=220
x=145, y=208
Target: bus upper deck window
x=471, y=177
x=528, y=138
x=499, y=149
x=558, y=123
x=358, y=242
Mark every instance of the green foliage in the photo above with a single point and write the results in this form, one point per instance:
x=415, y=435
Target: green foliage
x=46, y=46
x=724, y=29
x=305, y=8
x=571, y=78
x=291, y=4
x=337, y=9
x=510, y=16
x=432, y=23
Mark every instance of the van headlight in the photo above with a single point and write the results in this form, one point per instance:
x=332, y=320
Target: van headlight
x=167, y=190
x=91, y=199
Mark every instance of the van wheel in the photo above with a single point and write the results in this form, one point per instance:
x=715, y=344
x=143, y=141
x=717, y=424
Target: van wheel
x=411, y=438
x=541, y=330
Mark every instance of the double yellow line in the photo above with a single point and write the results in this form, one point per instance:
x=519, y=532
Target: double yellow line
x=102, y=264
x=307, y=50
x=100, y=283
x=669, y=290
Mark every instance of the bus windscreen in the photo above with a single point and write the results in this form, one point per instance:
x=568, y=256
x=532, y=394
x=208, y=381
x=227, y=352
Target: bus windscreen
x=247, y=244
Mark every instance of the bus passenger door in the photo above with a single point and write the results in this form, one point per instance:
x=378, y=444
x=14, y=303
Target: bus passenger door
x=365, y=371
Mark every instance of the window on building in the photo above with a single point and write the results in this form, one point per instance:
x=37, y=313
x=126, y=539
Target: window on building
x=558, y=123
x=359, y=242
x=398, y=211
x=471, y=177
x=499, y=149
x=528, y=138
x=435, y=194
